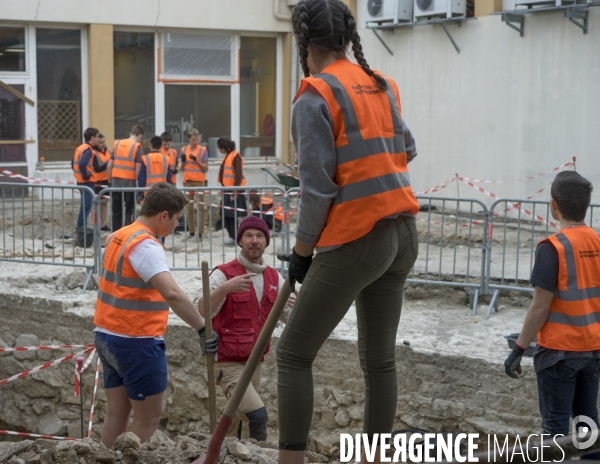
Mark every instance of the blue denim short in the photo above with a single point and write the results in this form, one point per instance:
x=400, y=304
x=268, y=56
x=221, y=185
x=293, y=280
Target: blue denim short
x=138, y=364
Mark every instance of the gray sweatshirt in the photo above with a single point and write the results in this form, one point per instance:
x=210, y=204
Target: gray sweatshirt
x=312, y=131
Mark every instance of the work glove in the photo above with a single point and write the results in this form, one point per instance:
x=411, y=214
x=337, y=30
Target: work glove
x=512, y=365
x=193, y=158
x=210, y=346
x=175, y=171
x=183, y=157
x=298, y=266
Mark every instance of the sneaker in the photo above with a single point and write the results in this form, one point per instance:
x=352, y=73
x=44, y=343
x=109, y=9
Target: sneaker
x=229, y=242
x=176, y=232
x=192, y=234
x=105, y=228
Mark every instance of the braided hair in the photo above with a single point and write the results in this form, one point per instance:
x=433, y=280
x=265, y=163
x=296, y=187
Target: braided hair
x=328, y=26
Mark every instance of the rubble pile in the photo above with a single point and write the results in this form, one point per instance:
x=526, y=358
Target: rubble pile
x=160, y=449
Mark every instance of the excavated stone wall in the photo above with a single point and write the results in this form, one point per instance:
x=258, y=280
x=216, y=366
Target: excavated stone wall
x=436, y=392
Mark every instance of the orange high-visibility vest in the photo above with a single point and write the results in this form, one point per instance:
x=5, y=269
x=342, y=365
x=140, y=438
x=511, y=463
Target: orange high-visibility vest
x=573, y=323
x=171, y=155
x=371, y=173
x=126, y=304
x=124, y=159
x=102, y=158
x=77, y=157
x=228, y=178
x=157, y=167
x=279, y=213
x=191, y=170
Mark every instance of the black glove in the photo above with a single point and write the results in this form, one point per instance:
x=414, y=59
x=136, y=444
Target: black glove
x=175, y=171
x=183, y=157
x=210, y=346
x=192, y=157
x=298, y=267
x=512, y=365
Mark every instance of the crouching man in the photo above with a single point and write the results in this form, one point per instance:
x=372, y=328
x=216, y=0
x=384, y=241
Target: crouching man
x=135, y=292
x=242, y=294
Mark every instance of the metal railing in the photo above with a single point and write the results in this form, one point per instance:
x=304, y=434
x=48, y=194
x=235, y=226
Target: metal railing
x=39, y=226
x=462, y=243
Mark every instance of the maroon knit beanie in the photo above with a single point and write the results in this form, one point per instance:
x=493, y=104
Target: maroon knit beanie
x=253, y=222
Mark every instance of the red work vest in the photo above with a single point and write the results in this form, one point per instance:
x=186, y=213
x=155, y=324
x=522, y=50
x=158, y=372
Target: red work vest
x=77, y=157
x=241, y=319
x=228, y=177
x=171, y=155
x=371, y=173
x=191, y=170
x=157, y=167
x=573, y=323
x=126, y=304
x=125, y=152
x=102, y=159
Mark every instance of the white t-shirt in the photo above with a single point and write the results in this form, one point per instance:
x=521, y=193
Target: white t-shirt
x=147, y=258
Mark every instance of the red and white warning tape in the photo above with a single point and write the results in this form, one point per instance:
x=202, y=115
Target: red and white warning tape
x=94, y=398
x=437, y=187
x=79, y=372
x=33, y=370
x=35, y=435
x=35, y=179
x=566, y=165
x=44, y=347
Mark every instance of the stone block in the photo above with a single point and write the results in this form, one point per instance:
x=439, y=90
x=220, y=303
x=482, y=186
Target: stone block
x=50, y=424
x=240, y=451
x=341, y=418
x=26, y=340
x=128, y=440
x=14, y=449
x=130, y=456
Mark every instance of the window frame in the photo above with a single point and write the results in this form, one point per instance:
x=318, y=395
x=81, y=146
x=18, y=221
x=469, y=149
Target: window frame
x=28, y=53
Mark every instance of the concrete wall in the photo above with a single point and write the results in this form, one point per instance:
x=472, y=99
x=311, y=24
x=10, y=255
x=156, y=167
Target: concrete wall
x=505, y=107
x=436, y=392
x=239, y=15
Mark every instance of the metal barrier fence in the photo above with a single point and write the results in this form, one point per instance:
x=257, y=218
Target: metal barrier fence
x=39, y=225
x=517, y=226
x=462, y=242
x=186, y=252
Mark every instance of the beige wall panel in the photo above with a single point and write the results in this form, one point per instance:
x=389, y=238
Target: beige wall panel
x=240, y=15
x=101, y=87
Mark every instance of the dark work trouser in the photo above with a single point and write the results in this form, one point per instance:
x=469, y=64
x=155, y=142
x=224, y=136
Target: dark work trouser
x=371, y=271
x=122, y=201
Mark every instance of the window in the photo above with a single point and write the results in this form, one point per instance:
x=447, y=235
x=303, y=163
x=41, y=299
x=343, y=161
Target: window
x=134, y=82
x=204, y=107
x=12, y=124
x=59, y=92
x=198, y=57
x=12, y=49
x=257, y=96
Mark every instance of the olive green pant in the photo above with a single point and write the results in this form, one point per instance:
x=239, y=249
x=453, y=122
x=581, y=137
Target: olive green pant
x=371, y=271
x=191, y=207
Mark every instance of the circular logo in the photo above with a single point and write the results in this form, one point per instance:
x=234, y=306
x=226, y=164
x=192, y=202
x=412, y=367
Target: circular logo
x=582, y=431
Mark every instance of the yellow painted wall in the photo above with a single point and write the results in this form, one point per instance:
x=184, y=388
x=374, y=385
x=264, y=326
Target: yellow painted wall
x=100, y=80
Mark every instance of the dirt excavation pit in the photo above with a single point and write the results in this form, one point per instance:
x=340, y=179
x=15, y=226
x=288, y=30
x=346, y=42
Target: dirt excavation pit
x=450, y=376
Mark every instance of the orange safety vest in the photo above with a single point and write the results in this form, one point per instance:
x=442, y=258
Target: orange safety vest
x=191, y=170
x=157, y=167
x=573, y=323
x=126, y=304
x=171, y=155
x=77, y=157
x=124, y=159
x=279, y=213
x=371, y=173
x=102, y=158
x=228, y=178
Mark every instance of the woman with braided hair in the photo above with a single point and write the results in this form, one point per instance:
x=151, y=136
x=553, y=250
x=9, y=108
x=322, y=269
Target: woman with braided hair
x=357, y=209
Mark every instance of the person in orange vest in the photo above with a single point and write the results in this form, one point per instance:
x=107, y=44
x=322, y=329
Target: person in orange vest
x=135, y=292
x=564, y=314
x=231, y=174
x=170, y=153
x=242, y=293
x=155, y=166
x=262, y=207
x=83, y=171
x=357, y=209
x=194, y=163
x=123, y=169
x=100, y=178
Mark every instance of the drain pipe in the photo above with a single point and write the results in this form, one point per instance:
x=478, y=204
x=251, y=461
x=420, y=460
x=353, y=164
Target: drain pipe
x=277, y=14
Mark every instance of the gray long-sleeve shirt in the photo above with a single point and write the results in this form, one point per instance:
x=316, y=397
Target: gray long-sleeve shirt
x=312, y=131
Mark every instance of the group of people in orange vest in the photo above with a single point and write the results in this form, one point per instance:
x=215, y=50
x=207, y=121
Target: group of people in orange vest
x=96, y=167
